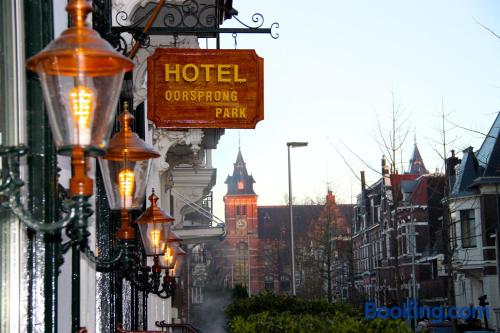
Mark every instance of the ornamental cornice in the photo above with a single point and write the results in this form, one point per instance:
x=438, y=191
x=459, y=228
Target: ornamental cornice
x=164, y=139
x=140, y=90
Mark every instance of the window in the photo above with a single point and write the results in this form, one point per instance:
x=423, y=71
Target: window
x=269, y=282
x=241, y=185
x=467, y=226
x=284, y=282
x=241, y=265
x=241, y=210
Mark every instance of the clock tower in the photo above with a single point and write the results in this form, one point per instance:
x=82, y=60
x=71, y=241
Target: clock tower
x=242, y=239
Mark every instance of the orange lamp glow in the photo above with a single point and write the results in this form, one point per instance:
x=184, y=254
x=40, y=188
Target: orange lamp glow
x=156, y=239
x=169, y=256
x=126, y=180
x=154, y=225
x=81, y=100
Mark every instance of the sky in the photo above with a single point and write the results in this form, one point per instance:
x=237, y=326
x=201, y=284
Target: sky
x=336, y=68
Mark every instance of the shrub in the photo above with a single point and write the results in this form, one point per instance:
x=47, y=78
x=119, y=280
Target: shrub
x=269, y=313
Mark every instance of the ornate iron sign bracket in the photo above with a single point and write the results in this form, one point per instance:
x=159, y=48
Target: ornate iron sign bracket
x=199, y=18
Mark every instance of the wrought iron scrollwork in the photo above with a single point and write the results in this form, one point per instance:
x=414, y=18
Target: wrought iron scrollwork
x=188, y=14
x=76, y=210
x=11, y=182
x=257, y=18
x=129, y=263
x=10, y=191
x=149, y=279
x=191, y=17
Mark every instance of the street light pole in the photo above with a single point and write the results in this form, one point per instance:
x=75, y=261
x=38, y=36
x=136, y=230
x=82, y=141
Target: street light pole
x=249, y=279
x=290, y=204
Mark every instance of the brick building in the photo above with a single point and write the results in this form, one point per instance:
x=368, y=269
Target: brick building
x=397, y=232
x=255, y=252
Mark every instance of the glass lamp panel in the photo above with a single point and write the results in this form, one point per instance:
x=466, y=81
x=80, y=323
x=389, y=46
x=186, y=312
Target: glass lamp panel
x=152, y=235
x=125, y=182
x=168, y=259
x=80, y=108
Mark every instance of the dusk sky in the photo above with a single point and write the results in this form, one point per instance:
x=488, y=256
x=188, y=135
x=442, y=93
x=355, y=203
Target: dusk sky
x=334, y=70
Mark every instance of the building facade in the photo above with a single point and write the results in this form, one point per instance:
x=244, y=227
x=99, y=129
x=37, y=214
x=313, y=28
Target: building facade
x=398, y=236
x=474, y=215
x=35, y=281
x=256, y=253
x=432, y=236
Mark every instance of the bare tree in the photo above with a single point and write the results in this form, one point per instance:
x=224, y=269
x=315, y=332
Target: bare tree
x=324, y=254
x=390, y=142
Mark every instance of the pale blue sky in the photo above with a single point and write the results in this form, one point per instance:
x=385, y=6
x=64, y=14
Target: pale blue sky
x=333, y=70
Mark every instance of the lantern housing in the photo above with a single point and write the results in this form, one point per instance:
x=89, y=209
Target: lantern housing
x=81, y=75
x=126, y=165
x=153, y=225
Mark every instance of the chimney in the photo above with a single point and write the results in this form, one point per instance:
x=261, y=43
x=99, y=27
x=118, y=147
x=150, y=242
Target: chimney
x=450, y=171
x=385, y=172
x=363, y=182
x=451, y=162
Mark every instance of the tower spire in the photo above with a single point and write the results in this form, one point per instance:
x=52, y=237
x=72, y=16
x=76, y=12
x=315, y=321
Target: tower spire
x=417, y=166
x=240, y=182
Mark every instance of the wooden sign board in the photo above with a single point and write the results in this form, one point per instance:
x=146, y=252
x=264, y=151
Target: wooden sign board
x=199, y=88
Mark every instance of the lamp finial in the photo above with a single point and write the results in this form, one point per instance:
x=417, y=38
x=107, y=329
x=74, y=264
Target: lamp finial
x=78, y=9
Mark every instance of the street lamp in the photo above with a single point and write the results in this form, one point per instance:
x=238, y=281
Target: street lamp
x=290, y=204
x=125, y=169
x=81, y=75
x=159, y=242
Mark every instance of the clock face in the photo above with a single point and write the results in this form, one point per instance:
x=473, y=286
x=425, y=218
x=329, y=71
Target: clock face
x=241, y=223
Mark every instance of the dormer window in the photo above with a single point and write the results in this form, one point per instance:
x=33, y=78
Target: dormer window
x=241, y=185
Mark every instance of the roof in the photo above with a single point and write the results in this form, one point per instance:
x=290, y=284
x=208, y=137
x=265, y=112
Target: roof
x=240, y=183
x=426, y=188
x=397, y=179
x=488, y=156
x=417, y=166
x=408, y=186
x=468, y=170
x=274, y=221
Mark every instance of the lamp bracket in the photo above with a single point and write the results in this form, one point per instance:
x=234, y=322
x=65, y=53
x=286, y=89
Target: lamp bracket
x=103, y=261
x=11, y=187
x=77, y=209
x=11, y=181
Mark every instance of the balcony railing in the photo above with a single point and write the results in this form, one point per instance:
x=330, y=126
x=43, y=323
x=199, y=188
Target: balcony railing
x=172, y=328
x=177, y=328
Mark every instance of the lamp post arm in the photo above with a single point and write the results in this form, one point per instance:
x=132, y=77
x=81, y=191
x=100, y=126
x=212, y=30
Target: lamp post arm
x=39, y=226
x=103, y=261
x=11, y=186
x=168, y=288
x=10, y=177
x=138, y=281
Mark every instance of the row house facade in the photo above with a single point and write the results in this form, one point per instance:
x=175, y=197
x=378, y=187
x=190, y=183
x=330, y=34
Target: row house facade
x=474, y=215
x=402, y=223
x=397, y=234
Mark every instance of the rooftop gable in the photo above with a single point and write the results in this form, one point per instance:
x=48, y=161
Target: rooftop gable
x=488, y=156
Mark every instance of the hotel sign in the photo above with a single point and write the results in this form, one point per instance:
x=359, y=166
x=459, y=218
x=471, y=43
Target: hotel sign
x=199, y=88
